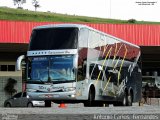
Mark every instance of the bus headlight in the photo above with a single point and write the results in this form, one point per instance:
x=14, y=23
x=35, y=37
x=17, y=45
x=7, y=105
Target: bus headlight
x=69, y=89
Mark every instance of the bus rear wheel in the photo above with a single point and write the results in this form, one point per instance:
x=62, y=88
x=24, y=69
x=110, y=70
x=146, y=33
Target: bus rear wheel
x=129, y=100
x=124, y=101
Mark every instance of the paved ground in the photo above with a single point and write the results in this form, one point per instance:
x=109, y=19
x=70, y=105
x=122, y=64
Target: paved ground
x=78, y=112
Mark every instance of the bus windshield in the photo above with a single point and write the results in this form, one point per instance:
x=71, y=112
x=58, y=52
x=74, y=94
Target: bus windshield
x=53, y=68
x=53, y=39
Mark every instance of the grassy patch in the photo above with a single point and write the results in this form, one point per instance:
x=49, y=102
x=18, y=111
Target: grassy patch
x=26, y=15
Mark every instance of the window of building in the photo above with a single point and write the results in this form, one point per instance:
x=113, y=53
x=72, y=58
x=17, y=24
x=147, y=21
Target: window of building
x=11, y=67
x=7, y=67
x=3, y=67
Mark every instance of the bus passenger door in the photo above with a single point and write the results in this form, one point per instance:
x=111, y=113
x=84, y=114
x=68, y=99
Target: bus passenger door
x=81, y=79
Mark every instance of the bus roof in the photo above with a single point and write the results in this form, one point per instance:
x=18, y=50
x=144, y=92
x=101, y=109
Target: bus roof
x=61, y=25
x=79, y=26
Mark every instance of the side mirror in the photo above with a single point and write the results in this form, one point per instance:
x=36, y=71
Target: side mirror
x=19, y=62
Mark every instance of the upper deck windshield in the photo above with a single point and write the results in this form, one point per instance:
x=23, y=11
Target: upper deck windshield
x=54, y=38
x=52, y=68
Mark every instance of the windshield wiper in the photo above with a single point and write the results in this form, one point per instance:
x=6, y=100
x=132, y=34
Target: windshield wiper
x=49, y=80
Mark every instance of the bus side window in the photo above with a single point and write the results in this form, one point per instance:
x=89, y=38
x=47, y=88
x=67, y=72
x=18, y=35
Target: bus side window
x=95, y=73
x=123, y=74
x=112, y=76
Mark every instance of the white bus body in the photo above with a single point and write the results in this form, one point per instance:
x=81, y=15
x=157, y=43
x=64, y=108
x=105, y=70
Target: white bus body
x=75, y=63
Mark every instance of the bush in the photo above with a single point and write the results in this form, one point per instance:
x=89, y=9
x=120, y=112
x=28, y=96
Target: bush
x=131, y=21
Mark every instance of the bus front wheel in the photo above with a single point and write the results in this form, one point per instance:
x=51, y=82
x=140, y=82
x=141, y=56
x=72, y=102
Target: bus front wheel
x=90, y=101
x=124, y=101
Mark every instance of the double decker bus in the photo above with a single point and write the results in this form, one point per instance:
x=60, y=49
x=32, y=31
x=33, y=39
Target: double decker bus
x=74, y=63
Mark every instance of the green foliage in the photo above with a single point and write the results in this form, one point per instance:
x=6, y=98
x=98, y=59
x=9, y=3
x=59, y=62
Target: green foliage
x=9, y=88
x=26, y=15
x=131, y=21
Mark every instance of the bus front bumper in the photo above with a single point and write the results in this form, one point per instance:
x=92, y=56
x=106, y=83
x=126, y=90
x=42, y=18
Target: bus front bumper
x=71, y=95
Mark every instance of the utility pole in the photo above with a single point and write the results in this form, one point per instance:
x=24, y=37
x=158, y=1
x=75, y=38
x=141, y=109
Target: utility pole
x=110, y=4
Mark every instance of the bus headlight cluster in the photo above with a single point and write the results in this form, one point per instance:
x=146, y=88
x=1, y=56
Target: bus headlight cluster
x=69, y=89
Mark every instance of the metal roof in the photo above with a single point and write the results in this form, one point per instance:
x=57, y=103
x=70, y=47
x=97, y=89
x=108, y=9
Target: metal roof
x=139, y=34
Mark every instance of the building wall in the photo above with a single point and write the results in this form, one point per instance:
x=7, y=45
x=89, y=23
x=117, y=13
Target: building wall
x=3, y=82
x=9, y=73
x=4, y=76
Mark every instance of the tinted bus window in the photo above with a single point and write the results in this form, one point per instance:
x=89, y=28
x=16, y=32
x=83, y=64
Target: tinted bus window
x=54, y=38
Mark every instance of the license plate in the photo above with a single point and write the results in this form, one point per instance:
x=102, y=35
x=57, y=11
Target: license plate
x=49, y=96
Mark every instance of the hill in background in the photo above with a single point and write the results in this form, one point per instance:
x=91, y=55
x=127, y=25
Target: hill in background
x=26, y=15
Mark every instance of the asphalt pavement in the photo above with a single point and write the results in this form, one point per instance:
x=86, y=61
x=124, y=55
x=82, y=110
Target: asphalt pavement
x=79, y=112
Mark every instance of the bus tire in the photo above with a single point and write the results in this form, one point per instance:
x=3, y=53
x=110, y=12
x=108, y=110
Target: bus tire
x=124, y=100
x=130, y=99
x=91, y=97
x=47, y=103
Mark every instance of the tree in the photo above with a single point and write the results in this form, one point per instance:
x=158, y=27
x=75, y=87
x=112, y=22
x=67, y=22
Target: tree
x=9, y=88
x=35, y=4
x=19, y=3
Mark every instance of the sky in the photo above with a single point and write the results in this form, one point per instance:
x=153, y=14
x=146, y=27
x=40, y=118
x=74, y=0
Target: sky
x=143, y=10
